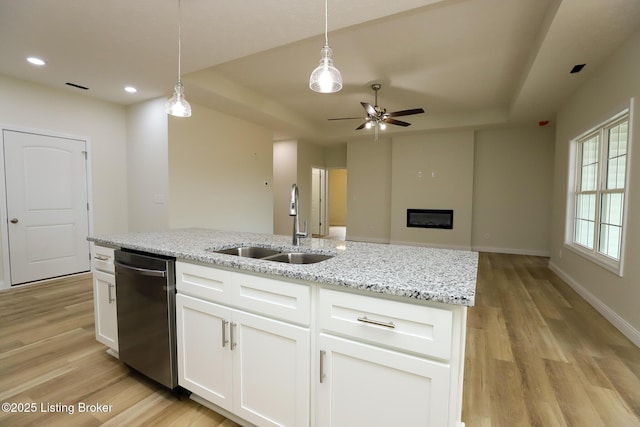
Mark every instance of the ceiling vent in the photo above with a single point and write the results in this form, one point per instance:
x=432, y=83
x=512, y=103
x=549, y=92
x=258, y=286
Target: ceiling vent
x=577, y=68
x=77, y=86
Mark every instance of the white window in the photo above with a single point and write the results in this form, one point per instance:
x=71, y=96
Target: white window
x=598, y=193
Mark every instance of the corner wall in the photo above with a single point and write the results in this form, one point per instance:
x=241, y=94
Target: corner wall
x=369, y=191
x=147, y=166
x=220, y=172
x=606, y=93
x=512, y=187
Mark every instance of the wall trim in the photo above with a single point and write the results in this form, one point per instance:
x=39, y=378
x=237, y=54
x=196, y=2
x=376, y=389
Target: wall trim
x=614, y=318
x=530, y=252
x=431, y=245
x=365, y=239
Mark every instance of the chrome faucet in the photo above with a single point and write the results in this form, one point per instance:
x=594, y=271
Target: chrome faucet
x=293, y=211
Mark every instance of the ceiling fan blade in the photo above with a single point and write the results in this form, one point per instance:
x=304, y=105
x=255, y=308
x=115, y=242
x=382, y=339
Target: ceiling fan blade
x=406, y=112
x=396, y=122
x=369, y=108
x=347, y=118
x=362, y=126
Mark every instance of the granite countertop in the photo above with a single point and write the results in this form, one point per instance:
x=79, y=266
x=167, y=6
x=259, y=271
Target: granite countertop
x=441, y=275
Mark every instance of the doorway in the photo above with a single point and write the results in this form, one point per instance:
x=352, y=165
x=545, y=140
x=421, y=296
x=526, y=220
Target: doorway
x=319, y=225
x=45, y=206
x=338, y=204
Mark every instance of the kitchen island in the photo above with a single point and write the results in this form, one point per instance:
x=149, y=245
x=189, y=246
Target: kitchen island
x=374, y=335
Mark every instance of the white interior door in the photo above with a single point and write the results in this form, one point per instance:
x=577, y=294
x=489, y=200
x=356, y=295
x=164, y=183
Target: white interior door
x=47, y=205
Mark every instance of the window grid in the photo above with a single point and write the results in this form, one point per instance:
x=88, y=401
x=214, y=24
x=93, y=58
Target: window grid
x=600, y=189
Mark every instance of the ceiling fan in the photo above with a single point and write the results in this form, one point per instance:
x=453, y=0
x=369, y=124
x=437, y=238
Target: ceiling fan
x=378, y=117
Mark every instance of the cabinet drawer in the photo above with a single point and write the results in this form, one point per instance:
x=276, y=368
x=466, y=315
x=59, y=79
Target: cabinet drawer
x=102, y=259
x=273, y=298
x=204, y=282
x=416, y=328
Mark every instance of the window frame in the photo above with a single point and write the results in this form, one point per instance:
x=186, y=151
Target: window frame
x=574, y=188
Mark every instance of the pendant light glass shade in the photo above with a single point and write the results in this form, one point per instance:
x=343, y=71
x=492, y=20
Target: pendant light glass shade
x=325, y=78
x=177, y=105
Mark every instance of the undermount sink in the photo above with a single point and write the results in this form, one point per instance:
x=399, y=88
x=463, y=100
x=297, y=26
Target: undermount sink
x=298, y=258
x=250, y=252
x=275, y=255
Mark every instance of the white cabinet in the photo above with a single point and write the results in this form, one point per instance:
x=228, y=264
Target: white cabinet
x=104, y=297
x=283, y=353
x=204, y=353
x=384, y=362
x=365, y=385
x=254, y=366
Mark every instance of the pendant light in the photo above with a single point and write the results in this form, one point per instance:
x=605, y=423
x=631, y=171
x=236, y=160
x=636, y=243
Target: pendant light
x=177, y=105
x=325, y=78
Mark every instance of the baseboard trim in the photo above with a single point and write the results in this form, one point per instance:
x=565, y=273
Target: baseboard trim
x=530, y=252
x=614, y=318
x=431, y=245
x=366, y=239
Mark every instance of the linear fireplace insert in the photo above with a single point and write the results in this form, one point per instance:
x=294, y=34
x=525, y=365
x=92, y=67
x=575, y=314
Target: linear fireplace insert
x=430, y=218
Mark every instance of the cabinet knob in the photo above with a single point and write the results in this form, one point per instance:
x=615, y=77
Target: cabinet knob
x=14, y=220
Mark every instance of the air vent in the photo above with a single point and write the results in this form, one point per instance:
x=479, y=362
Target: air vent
x=577, y=68
x=77, y=86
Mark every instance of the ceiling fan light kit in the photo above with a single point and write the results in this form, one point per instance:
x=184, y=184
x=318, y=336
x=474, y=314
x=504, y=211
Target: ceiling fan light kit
x=378, y=118
x=177, y=105
x=325, y=78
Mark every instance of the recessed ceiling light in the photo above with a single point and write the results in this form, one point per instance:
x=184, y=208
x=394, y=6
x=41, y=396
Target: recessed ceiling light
x=130, y=89
x=35, y=61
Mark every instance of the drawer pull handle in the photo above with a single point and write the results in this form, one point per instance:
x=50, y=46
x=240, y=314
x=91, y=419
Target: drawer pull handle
x=233, y=340
x=109, y=286
x=364, y=319
x=101, y=258
x=225, y=341
x=322, y=375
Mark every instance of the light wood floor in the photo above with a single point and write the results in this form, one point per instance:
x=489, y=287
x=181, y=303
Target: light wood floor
x=537, y=355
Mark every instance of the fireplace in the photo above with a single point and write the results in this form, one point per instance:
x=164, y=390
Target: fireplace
x=430, y=218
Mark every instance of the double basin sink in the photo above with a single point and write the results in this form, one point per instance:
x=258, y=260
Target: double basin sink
x=275, y=255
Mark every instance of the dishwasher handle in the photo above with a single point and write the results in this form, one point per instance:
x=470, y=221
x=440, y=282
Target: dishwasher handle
x=142, y=271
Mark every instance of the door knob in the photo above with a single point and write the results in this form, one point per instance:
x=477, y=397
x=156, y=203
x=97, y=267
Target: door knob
x=14, y=220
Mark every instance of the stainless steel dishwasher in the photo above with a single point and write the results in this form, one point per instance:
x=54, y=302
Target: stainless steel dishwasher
x=146, y=307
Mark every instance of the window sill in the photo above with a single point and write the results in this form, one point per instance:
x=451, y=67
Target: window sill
x=601, y=260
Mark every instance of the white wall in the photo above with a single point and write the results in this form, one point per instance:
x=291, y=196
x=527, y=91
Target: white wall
x=220, y=172
x=512, y=187
x=369, y=191
x=432, y=171
x=499, y=183
x=104, y=124
x=148, y=166
x=30, y=106
x=285, y=173
x=607, y=92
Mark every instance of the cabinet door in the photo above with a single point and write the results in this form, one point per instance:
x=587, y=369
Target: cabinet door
x=104, y=302
x=364, y=385
x=271, y=371
x=204, y=357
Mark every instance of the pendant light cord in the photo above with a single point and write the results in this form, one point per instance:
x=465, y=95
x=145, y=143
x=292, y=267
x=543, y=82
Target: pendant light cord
x=326, y=23
x=179, y=42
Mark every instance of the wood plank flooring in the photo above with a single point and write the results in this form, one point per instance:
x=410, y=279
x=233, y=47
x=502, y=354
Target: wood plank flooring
x=537, y=355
